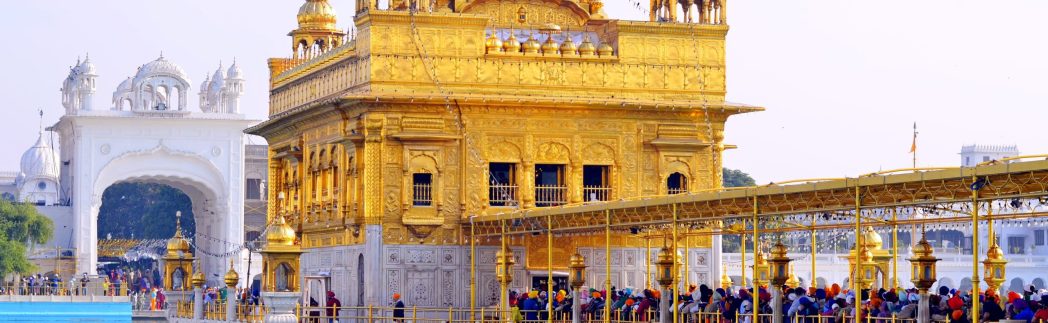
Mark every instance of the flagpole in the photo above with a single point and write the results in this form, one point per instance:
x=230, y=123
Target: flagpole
x=913, y=148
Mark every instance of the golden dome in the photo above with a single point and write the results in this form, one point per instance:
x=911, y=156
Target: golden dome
x=922, y=249
x=872, y=239
x=567, y=48
x=511, y=45
x=177, y=243
x=605, y=50
x=550, y=46
x=532, y=46
x=198, y=279
x=865, y=255
x=493, y=44
x=995, y=252
x=280, y=233
x=316, y=14
x=778, y=250
x=724, y=278
x=231, y=278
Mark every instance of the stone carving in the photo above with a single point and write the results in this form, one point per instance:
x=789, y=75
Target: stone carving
x=552, y=152
x=449, y=257
x=420, y=256
x=448, y=288
x=599, y=154
x=393, y=281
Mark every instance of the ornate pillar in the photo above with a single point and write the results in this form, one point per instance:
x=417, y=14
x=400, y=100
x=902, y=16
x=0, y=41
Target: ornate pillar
x=527, y=183
x=198, y=296
x=231, y=280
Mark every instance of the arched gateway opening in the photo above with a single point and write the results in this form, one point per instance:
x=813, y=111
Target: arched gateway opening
x=215, y=235
x=135, y=222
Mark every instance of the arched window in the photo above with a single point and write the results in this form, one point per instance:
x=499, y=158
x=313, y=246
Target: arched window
x=677, y=183
x=178, y=278
x=283, y=277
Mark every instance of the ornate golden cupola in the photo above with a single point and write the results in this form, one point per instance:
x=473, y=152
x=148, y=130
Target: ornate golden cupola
x=178, y=260
x=316, y=31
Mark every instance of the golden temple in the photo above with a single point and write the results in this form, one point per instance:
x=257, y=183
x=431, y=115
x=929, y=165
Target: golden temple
x=428, y=116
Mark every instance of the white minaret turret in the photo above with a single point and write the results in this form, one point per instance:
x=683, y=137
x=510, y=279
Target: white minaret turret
x=234, y=88
x=78, y=89
x=204, y=103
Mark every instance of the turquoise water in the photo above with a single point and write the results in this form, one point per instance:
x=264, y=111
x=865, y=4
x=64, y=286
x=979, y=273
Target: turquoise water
x=64, y=312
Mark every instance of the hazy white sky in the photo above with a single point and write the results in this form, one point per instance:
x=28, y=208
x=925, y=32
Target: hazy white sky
x=843, y=81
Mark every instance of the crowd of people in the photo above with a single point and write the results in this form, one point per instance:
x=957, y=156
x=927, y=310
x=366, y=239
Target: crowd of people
x=812, y=305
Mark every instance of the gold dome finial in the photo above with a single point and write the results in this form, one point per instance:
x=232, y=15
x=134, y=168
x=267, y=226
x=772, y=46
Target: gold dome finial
x=316, y=15
x=567, y=48
x=511, y=45
x=177, y=242
x=280, y=233
x=725, y=279
x=493, y=43
x=532, y=46
x=231, y=277
x=872, y=239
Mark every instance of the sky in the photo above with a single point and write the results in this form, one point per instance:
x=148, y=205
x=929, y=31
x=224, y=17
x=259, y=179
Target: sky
x=843, y=82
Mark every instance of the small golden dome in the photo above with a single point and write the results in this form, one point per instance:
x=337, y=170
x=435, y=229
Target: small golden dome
x=923, y=249
x=198, y=279
x=778, y=250
x=724, y=278
x=865, y=255
x=511, y=45
x=577, y=260
x=605, y=50
x=532, y=46
x=493, y=44
x=178, y=242
x=567, y=48
x=872, y=239
x=994, y=252
x=280, y=233
x=316, y=14
x=549, y=47
x=231, y=278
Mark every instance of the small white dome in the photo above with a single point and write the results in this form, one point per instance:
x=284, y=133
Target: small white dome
x=40, y=161
x=87, y=67
x=234, y=72
x=218, y=81
x=160, y=67
x=207, y=82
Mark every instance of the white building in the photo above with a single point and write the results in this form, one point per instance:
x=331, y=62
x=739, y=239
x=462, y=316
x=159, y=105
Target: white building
x=972, y=155
x=148, y=134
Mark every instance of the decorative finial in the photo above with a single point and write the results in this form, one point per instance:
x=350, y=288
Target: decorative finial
x=41, y=110
x=161, y=54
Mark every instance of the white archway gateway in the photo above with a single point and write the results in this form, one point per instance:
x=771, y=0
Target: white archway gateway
x=200, y=153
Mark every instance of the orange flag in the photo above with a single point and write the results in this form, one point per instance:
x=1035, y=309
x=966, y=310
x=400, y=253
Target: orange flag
x=913, y=146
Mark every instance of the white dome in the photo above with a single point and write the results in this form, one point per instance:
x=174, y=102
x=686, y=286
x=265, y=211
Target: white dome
x=217, y=81
x=87, y=67
x=207, y=82
x=160, y=67
x=40, y=161
x=234, y=72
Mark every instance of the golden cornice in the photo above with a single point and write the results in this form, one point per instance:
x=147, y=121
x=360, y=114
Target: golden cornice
x=441, y=19
x=674, y=29
x=313, y=65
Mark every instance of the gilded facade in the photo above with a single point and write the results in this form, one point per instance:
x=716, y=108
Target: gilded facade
x=384, y=143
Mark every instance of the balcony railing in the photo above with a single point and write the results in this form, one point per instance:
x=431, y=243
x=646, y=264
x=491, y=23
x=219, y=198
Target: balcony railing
x=550, y=195
x=502, y=195
x=596, y=193
x=676, y=190
x=423, y=194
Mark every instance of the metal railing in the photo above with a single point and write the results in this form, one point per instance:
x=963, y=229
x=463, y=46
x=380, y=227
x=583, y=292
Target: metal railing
x=251, y=313
x=550, y=195
x=96, y=287
x=423, y=194
x=183, y=309
x=215, y=311
x=596, y=193
x=502, y=195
